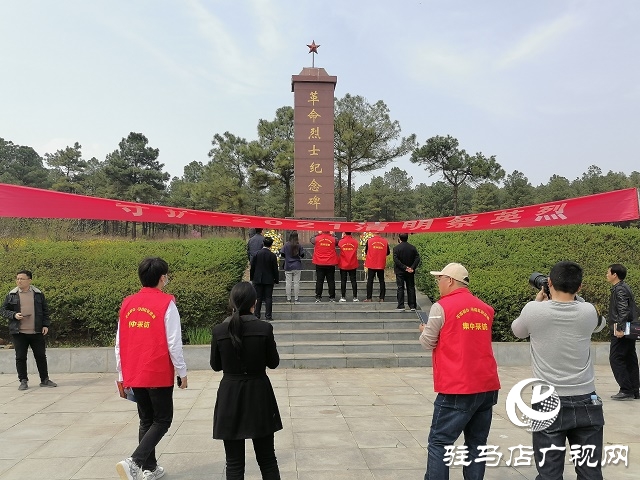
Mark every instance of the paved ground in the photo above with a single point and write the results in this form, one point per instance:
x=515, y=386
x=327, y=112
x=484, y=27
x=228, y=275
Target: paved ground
x=338, y=424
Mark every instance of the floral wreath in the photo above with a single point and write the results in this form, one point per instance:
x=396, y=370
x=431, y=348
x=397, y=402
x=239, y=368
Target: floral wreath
x=277, y=240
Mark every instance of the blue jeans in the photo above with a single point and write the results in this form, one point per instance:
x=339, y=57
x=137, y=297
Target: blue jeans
x=453, y=415
x=580, y=422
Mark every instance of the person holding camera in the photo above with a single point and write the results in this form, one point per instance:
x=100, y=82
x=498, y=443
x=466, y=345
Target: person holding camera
x=559, y=330
x=622, y=351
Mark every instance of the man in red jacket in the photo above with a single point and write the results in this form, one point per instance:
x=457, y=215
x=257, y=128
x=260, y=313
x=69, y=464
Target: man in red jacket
x=148, y=353
x=465, y=373
x=376, y=250
x=325, y=259
x=348, y=263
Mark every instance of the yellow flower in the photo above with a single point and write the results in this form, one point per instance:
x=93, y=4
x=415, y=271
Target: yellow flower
x=277, y=239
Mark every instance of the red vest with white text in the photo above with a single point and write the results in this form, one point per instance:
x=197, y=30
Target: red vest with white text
x=348, y=259
x=377, y=251
x=463, y=360
x=324, y=250
x=144, y=352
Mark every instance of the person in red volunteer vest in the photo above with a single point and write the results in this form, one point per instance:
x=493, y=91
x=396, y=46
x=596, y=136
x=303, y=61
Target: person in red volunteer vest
x=465, y=372
x=325, y=259
x=348, y=264
x=376, y=251
x=148, y=353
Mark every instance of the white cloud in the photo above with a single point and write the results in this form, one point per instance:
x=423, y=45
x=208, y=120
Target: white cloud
x=539, y=39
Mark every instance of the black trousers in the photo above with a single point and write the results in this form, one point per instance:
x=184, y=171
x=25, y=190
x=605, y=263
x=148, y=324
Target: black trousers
x=265, y=294
x=328, y=272
x=21, y=344
x=265, y=455
x=343, y=282
x=370, y=276
x=408, y=279
x=155, y=410
x=624, y=364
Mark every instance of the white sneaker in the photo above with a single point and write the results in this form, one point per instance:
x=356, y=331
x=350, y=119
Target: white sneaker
x=153, y=475
x=317, y=300
x=296, y=302
x=343, y=299
x=356, y=300
x=128, y=470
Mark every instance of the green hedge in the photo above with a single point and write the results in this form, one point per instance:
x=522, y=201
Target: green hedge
x=501, y=261
x=85, y=282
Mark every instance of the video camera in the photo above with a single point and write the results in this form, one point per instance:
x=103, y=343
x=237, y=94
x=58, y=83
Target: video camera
x=538, y=280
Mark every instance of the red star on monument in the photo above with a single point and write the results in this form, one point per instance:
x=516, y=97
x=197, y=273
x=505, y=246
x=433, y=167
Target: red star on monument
x=313, y=48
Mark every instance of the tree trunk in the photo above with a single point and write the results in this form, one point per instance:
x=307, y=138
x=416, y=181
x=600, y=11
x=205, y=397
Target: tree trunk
x=348, y=193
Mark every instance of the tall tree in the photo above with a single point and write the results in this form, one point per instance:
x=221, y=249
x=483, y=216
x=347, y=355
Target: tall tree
x=365, y=138
x=182, y=190
x=21, y=165
x=557, y=188
x=486, y=198
x=442, y=155
x=398, y=190
x=68, y=167
x=134, y=172
x=517, y=190
x=225, y=179
x=271, y=156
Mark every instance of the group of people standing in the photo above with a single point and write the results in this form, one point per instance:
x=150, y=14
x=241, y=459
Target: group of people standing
x=329, y=252
x=559, y=325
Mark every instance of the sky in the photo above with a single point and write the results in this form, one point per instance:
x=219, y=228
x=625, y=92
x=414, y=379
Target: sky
x=547, y=86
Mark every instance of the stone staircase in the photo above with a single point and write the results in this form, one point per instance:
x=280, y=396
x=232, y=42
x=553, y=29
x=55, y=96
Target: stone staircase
x=351, y=334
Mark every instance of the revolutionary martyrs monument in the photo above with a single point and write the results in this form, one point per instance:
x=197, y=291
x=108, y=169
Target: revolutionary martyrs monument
x=313, y=141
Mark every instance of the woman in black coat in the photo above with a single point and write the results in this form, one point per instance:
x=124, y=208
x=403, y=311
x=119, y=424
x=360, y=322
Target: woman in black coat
x=242, y=347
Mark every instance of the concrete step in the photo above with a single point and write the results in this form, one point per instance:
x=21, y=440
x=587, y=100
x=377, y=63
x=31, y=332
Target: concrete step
x=336, y=315
x=346, y=324
x=334, y=335
x=352, y=346
x=355, y=360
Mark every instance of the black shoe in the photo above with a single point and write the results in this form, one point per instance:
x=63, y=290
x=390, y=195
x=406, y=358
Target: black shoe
x=48, y=383
x=636, y=395
x=400, y=308
x=268, y=319
x=23, y=385
x=622, y=396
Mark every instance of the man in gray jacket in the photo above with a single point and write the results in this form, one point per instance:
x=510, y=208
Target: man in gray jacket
x=559, y=330
x=26, y=309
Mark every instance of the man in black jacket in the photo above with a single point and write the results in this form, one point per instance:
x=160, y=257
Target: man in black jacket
x=26, y=309
x=264, y=274
x=405, y=261
x=255, y=243
x=622, y=352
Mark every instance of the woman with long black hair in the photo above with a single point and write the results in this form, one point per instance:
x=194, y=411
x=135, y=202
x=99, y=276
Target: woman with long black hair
x=242, y=347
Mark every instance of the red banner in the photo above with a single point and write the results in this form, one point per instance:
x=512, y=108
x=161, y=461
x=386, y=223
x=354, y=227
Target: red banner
x=26, y=202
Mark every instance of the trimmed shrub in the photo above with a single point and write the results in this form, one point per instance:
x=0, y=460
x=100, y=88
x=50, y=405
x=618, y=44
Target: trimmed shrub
x=501, y=261
x=85, y=282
